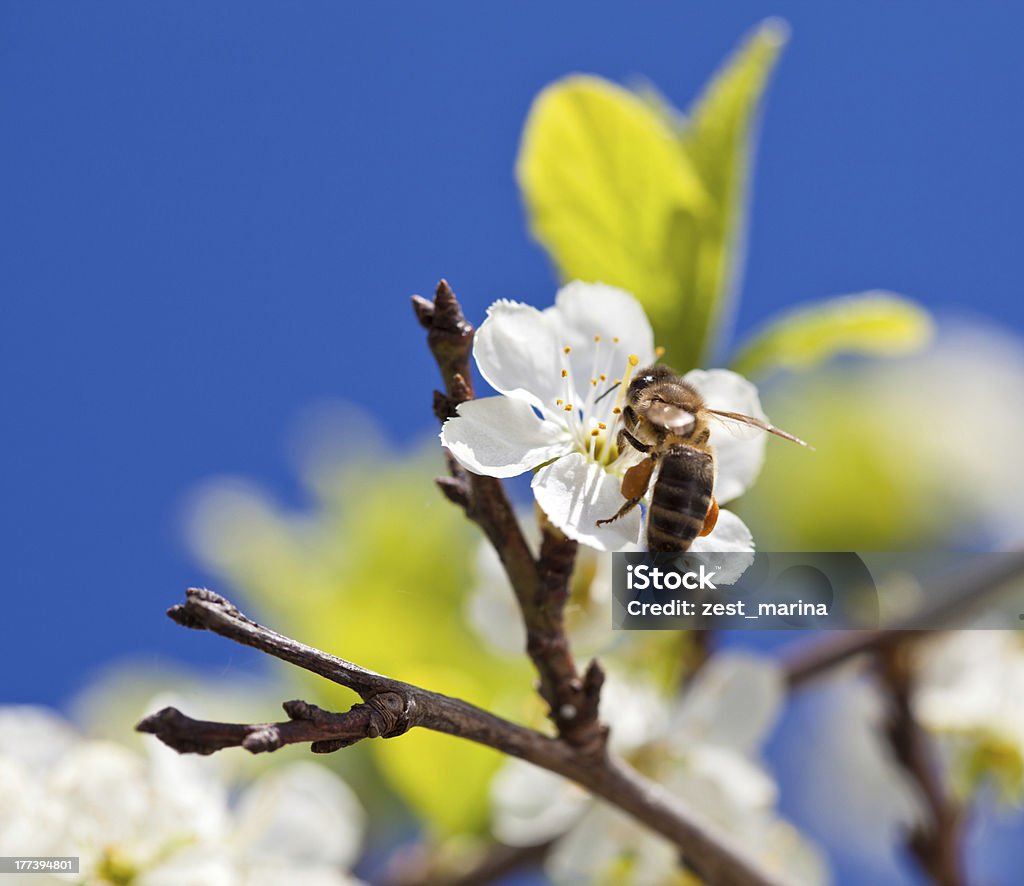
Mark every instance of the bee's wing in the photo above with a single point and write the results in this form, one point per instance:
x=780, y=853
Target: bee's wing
x=670, y=417
x=749, y=420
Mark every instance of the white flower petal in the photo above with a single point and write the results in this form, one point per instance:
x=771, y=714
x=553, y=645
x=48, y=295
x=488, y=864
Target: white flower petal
x=733, y=702
x=518, y=352
x=739, y=449
x=34, y=735
x=303, y=814
x=635, y=710
x=531, y=805
x=575, y=493
x=502, y=437
x=190, y=866
x=742, y=784
x=585, y=310
x=606, y=843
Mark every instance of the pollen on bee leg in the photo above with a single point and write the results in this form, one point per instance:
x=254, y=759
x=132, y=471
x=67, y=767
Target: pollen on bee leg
x=710, y=519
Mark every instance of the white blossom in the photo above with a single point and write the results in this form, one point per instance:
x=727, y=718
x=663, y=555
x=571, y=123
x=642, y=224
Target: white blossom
x=553, y=370
x=159, y=818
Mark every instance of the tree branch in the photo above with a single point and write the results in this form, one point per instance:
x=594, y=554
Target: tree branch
x=391, y=707
x=955, y=598
x=936, y=842
x=541, y=585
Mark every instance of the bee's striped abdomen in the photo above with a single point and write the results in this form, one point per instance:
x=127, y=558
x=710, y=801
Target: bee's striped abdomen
x=681, y=498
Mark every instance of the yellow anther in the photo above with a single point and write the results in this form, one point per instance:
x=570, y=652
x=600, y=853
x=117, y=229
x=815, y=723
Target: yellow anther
x=602, y=426
x=593, y=381
x=603, y=377
x=617, y=410
x=615, y=339
x=594, y=432
x=566, y=350
x=568, y=407
x=634, y=360
x=565, y=373
x=597, y=338
x=559, y=402
x=659, y=352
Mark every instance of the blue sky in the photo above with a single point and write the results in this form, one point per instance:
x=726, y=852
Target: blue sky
x=214, y=214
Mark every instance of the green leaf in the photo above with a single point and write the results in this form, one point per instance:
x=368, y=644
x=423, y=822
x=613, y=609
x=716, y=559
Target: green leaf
x=718, y=139
x=874, y=323
x=603, y=178
x=619, y=188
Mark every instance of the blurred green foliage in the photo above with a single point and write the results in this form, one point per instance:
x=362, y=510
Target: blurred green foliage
x=871, y=323
x=370, y=574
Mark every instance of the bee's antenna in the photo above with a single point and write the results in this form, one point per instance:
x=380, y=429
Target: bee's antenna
x=606, y=393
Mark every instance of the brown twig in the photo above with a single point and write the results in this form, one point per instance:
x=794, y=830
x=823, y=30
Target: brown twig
x=955, y=598
x=936, y=842
x=325, y=730
x=391, y=707
x=541, y=584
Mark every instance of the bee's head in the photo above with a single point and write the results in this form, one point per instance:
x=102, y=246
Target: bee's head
x=648, y=376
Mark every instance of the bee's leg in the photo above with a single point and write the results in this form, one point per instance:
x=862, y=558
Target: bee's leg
x=711, y=518
x=621, y=512
x=634, y=487
x=625, y=437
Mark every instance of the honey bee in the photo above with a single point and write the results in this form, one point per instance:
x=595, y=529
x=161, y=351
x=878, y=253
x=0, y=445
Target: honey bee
x=667, y=420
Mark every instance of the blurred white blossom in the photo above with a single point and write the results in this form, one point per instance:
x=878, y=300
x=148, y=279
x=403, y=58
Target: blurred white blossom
x=702, y=747
x=162, y=819
x=970, y=693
